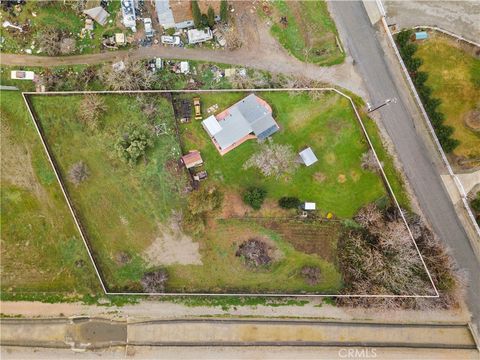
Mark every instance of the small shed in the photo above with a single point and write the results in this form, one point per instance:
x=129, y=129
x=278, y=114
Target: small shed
x=421, y=35
x=120, y=38
x=192, y=159
x=308, y=206
x=98, y=14
x=308, y=157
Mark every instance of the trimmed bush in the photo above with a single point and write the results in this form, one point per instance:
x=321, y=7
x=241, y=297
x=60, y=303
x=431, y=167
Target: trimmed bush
x=289, y=202
x=254, y=197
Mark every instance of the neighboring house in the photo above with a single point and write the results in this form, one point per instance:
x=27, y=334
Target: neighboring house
x=192, y=159
x=128, y=12
x=250, y=118
x=178, y=13
x=308, y=157
x=197, y=36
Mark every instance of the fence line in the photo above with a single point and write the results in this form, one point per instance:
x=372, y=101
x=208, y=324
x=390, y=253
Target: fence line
x=436, y=28
x=457, y=182
x=326, y=89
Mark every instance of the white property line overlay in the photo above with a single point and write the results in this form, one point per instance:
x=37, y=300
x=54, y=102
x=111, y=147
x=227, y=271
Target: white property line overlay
x=70, y=206
x=458, y=184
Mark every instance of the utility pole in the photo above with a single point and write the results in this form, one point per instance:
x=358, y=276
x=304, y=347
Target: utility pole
x=386, y=102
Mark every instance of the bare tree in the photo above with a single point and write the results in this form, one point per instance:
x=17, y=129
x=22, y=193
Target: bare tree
x=273, y=160
x=134, y=76
x=91, y=108
x=50, y=41
x=369, y=161
x=78, y=173
x=154, y=281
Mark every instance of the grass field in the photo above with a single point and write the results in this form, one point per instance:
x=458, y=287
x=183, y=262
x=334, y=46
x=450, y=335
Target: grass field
x=129, y=211
x=337, y=183
x=452, y=74
x=41, y=252
x=121, y=208
x=59, y=15
x=310, y=33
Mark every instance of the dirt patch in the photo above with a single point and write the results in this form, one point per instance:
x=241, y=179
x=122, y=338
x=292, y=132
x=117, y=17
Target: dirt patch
x=122, y=258
x=341, y=178
x=172, y=246
x=472, y=119
x=16, y=165
x=319, y=177
x=308, y=237
x=233, y=206
x=330, y=158
x=354, y=175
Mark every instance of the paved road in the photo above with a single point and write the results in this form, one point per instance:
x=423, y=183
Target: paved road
x=101, y=333
x=364, y=46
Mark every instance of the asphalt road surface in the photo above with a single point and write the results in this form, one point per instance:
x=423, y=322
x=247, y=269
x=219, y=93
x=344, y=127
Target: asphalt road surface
x=361, y=41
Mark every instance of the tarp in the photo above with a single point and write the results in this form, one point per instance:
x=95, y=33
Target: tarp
x=308, y=157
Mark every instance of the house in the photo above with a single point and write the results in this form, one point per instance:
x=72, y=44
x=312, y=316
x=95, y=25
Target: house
x=198, y=36
x=308, y=157
x=250, y=118
x=178, y=13
x=22, y=75
x=128, y=13
x=98, y=14
x=192, y=159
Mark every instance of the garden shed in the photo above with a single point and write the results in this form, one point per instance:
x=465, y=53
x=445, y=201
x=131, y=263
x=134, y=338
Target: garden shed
x=308, y=157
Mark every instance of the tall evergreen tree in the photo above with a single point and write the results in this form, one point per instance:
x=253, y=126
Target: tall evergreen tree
x=197, y=14
x=211, y=16
x=224, y=11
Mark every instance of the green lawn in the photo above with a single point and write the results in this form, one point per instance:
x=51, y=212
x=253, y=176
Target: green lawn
x=126, y=209
x=60, y=16
x=310, y=33
x=42, y=252
x=327, y=125
x=121, y=207
x=451, y=75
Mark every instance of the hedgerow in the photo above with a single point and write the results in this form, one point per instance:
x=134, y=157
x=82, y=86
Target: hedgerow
x=407, y=51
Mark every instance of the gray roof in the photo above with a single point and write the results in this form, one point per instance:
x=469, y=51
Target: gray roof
x=308, y=156
x=164, y=13
x=98, y=14
x=246, y=116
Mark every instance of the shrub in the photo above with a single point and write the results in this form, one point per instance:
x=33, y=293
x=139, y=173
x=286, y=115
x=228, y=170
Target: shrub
x=224, y=10
x=154, y=281
x=211, y=17
x=78, y=173
x=254, y=196
x=91, y=108
x=197, y=14
x=289, y=202
x=134, y=143
x=200, y=204
x=311, y=274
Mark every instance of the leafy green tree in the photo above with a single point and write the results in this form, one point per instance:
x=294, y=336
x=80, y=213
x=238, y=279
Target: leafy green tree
x=197, y=14
x=134, y=143
x=224, y=11
x=211, y=17
x=254, y=196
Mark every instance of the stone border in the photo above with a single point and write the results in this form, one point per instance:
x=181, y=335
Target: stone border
x=84, y=236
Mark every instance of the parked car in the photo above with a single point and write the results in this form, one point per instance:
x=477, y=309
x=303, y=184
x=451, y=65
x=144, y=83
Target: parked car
x=170, y=40
x=198, y=110
x=147, y=22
